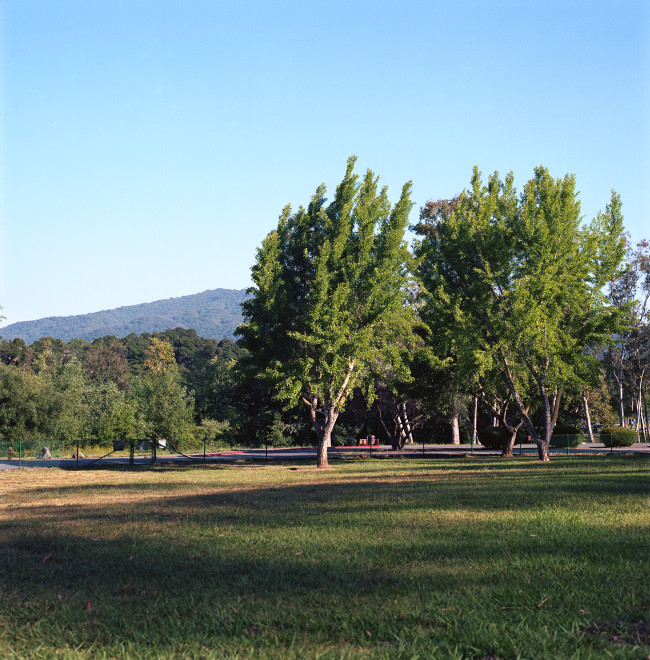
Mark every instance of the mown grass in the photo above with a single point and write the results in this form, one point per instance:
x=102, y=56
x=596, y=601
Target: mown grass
x=467, y=558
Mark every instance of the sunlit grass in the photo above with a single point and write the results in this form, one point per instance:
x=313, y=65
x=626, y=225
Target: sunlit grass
x=413, y=558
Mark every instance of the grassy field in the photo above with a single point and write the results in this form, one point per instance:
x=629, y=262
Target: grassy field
x=467, y=558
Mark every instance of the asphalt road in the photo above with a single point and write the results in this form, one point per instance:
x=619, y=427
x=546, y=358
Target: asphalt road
x=304, y=453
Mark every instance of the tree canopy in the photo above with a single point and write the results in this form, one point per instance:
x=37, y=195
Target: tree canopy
x=517, y=282
x=327, y=310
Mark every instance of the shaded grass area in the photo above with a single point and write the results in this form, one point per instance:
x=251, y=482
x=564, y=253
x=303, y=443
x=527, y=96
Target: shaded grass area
x=456, y=558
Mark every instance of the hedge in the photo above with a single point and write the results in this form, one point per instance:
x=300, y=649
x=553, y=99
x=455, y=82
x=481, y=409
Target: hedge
x=618, y=436
x=492, y=437
x=563, y=431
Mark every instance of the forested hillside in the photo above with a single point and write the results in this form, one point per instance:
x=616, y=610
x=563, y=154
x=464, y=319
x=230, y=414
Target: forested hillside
x=214, y=314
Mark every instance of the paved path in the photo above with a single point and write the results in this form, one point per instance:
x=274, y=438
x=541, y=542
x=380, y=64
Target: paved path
x=303, y=453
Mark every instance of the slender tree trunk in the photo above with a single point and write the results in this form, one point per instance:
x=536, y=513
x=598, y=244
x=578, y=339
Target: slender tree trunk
x=393, y=436
x=405, y=423
x=640, y=420
x=585, y=403
x=474, y=429
x=323, y=429
x=325, y=439
x=401, y=432
x=645, y=409
x=543, y=442
x=621, y=406
x=455, y=430
x=324, y=442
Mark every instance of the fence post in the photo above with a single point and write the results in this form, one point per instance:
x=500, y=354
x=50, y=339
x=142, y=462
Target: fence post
x=204, y=441
x=20, y=452
x=132, y=452
x=77, y=452
x=567, y=444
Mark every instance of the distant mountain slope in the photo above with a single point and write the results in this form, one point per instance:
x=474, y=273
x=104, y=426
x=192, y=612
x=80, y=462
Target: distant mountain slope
x=213, y=314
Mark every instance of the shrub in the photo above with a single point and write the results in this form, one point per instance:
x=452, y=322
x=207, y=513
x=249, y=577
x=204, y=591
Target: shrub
x=562, y=432
x=618, y=436
x=343, y=436
x=492, y=437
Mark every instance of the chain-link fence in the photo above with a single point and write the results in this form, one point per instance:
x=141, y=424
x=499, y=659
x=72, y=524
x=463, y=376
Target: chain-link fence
x=86, y=453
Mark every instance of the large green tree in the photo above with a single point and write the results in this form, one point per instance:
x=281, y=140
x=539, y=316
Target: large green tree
x=327, y=310
x=518, y=282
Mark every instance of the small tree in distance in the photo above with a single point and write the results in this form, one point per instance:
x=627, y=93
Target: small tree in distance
x=168, y=407
x=327, y=310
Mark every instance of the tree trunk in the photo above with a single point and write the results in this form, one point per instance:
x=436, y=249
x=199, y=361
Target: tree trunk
x=621, y=406
x=325, y=439
x=641, y=426
x=404, y=421
x=324, y=442
x=585, y=403
x=645, y=409
x=474, y=429
x=400, y=433
x=455, y=430
x=543, y=442
x=509, y=444
x=323, y=429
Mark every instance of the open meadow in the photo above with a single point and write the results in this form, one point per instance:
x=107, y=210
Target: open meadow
x=455, y=558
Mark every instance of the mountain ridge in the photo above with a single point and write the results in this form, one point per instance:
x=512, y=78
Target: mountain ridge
x=214, y=314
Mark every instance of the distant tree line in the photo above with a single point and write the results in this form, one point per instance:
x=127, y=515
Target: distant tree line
x=509, y=312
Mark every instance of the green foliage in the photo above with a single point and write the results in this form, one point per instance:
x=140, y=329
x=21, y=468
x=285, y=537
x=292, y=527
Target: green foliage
x=165, y=403
x=114, y=414
x=327, y=310
x=618, y=436
x=345, y=435
x=213, y=432
x=277, y=434
x=563, y=434
x=25, y=408
x=514, y=285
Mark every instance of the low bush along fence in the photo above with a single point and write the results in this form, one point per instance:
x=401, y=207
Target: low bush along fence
x=618, y=436
x=566, y=436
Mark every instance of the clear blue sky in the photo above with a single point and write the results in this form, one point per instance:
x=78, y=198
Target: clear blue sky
x=148, y=145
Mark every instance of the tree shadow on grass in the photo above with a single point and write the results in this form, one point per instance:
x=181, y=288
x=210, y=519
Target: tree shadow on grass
x=331, y=559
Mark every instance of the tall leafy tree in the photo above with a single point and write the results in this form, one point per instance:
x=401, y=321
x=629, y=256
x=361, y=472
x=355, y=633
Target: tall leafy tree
x=327, y=309
x=167, y=406
x=629, y=291
x=518, y=282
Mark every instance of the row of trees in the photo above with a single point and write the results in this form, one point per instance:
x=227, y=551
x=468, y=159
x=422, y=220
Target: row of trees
x=503, y=299
x=508, y=310
x=139, y=386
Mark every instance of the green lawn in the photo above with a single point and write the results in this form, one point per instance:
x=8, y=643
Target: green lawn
x=467, y=558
